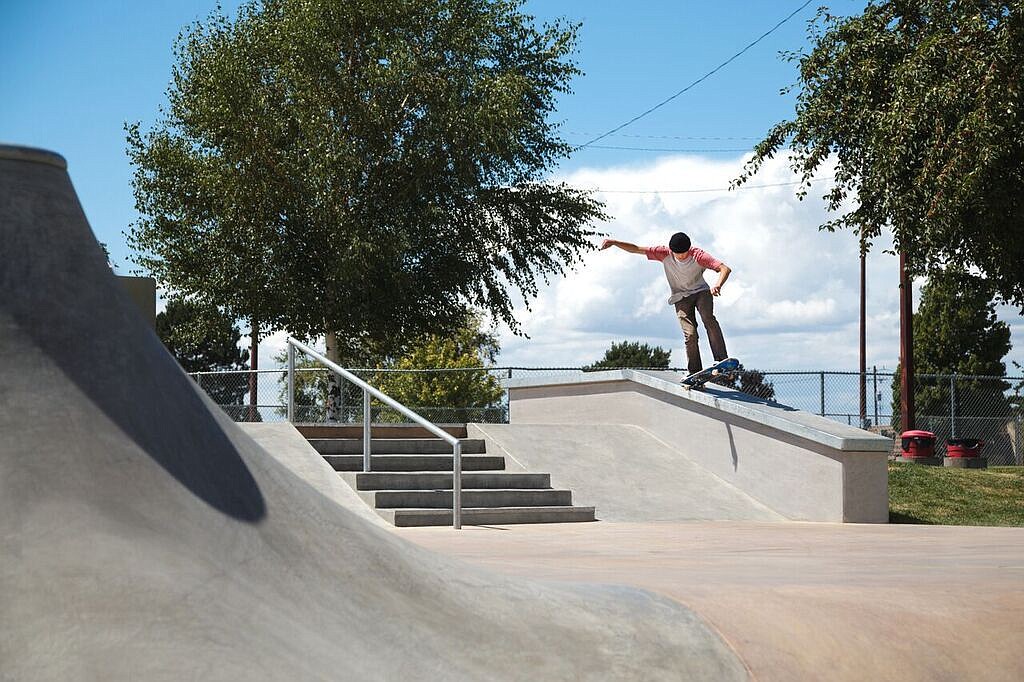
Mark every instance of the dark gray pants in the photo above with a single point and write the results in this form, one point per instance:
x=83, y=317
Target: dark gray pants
x=704, y=304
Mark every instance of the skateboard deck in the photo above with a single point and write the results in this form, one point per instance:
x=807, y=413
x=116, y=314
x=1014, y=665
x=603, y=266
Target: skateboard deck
x=698, y=379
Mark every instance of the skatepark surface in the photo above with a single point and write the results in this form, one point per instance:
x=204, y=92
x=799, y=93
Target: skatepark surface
x=799, y=601
x=144, y=536
x=623, y=471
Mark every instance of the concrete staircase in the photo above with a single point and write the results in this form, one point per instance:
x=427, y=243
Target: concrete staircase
x=410, y=482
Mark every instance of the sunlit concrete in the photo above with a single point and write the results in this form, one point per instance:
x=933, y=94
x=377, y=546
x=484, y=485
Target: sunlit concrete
x=799, y=465
x=144, y=536
x=800, y=601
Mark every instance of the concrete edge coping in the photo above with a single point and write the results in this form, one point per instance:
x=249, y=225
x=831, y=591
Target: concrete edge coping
x=775, y=415
x=11, y=152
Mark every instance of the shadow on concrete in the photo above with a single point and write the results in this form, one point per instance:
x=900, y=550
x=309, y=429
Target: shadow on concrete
x=61, y=295
x=896, y=517
x=732, y=447
x=739, y=396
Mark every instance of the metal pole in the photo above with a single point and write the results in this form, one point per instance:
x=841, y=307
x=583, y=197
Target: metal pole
x=863, y=337
x=291, y=383
x=822, y=394
x=952, y=405
x=366, y=430
x=874, y=371
x=906, y=348
x=457, y=486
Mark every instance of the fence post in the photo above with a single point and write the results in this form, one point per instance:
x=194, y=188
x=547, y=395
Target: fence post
x=508, y=399
x=874, y=372
x=822, y=394
x=1019, y=441
x=366, y=430
x=952, y=405
x=291, y=383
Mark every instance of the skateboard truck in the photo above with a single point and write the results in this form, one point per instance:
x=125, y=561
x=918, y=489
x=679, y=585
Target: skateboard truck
x=720, y=368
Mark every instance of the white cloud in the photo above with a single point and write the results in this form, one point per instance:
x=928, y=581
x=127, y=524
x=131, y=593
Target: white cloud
x=791, y=303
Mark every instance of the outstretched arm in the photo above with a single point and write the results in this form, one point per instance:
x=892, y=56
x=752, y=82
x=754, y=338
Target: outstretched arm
x=625, y=246
x=723, y=274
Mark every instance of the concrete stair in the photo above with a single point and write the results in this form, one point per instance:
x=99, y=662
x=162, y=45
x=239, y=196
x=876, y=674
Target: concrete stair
x=410, y=482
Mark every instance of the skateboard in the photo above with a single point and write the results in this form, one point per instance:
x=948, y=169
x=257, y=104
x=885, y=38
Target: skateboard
x=721, y=368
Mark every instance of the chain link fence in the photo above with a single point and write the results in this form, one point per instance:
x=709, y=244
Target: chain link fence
x=951, y=406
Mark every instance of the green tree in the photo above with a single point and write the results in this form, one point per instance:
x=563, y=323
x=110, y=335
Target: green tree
x=313, y=387
x=201, y=339
x=360, y=170
x=467, y=386
x=919, y=105
x=632, y=354
x=750, y=381
x=204, y=339
x=956, y=331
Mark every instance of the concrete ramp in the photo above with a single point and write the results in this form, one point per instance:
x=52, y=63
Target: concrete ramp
x=626, y=473
x=283, y=442
x=143, y=536
x=798, y=465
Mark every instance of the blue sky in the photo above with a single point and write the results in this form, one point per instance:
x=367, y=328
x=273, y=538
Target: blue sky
x=74, y=73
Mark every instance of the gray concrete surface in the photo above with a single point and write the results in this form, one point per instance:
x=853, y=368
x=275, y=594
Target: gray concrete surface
x=622, y=471
x=142, y=290
x=800, y=601
x=800, y=466
x=144, y=536
x=285, y=444
x=786, y=419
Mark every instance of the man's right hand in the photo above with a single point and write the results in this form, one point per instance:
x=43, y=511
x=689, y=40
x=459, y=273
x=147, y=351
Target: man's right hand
x=607, y=243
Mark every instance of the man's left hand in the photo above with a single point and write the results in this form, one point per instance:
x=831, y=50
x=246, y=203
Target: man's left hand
x=716, y=290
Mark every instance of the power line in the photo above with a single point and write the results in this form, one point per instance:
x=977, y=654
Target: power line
x=699, y=80
x=696, y=191
x=670, y=137
x=664, y=149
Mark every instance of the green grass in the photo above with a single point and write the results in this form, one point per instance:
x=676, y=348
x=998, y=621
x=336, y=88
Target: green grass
x=956, y=497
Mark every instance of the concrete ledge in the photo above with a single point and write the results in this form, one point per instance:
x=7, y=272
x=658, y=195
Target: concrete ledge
x=801, y=466
x=776, y=415
x=10, y=152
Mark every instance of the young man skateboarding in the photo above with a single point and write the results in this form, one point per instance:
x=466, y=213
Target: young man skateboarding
x=684, y=268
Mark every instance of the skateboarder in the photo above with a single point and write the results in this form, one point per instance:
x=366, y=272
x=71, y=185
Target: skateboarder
x=684, y=268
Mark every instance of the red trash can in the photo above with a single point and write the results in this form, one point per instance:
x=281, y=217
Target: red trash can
x=964, y=447
x=917, y=443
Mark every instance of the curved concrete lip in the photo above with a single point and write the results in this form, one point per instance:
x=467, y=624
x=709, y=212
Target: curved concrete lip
x=775, y=415
x=13, y=152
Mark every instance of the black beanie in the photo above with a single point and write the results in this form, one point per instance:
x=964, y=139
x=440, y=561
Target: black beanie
x=679, y=243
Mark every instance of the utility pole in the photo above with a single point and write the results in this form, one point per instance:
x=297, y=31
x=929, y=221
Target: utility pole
x=906, y=347
x=863, y=338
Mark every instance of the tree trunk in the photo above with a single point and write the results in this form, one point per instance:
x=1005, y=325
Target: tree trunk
x=335, y=407
x=254, y=364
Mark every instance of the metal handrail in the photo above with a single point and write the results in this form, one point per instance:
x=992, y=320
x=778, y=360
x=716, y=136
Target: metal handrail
x=369, y=390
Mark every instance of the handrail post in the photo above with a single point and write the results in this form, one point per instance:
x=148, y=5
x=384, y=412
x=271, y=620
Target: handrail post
x=291, y=383
x=366, y=430
x=457, y=485
x=369, y=391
